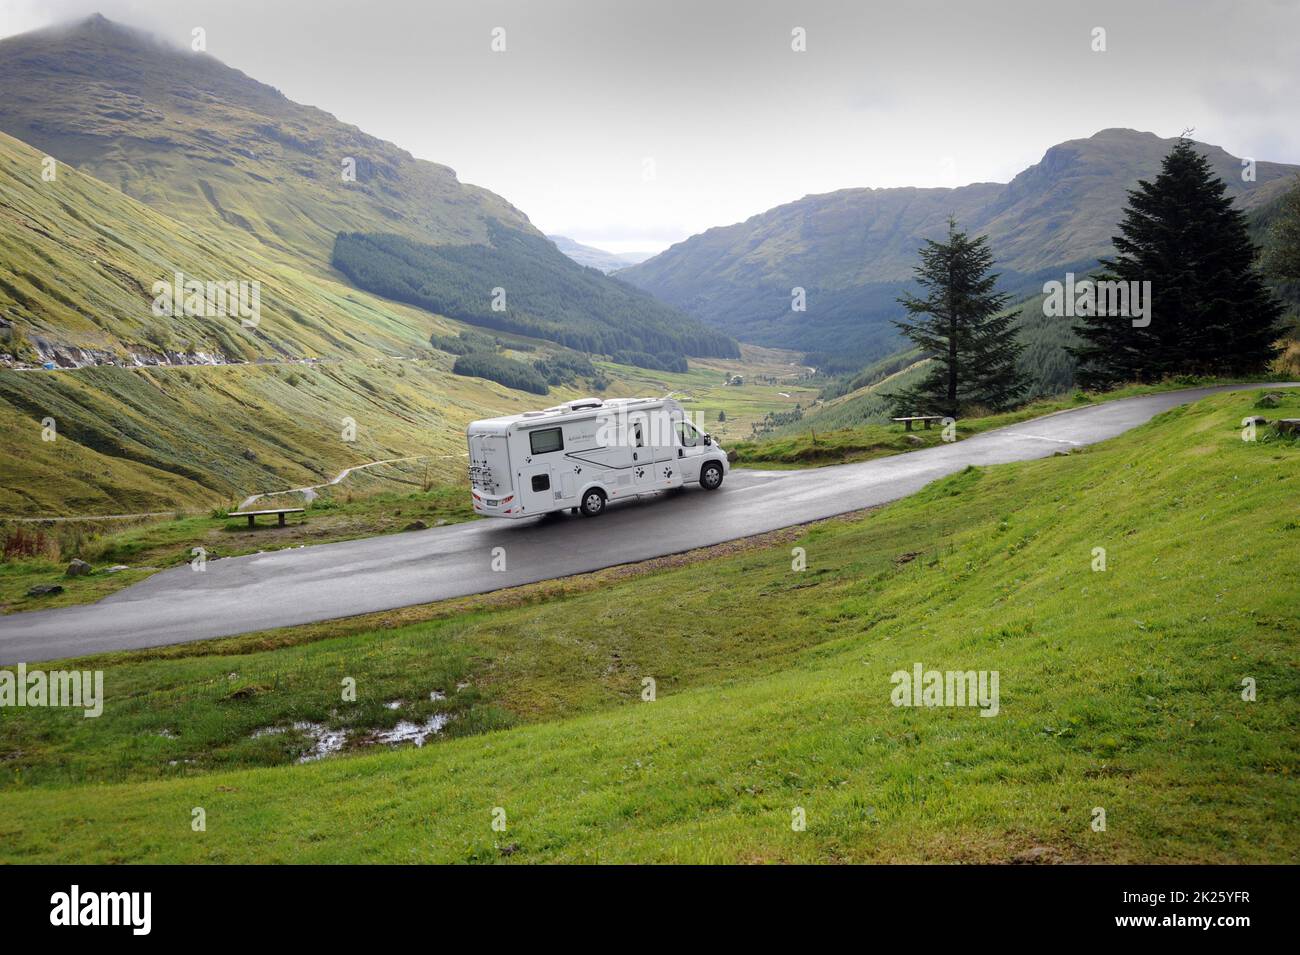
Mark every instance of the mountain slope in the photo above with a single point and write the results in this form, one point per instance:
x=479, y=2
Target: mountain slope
x=78, y=260
x=207, y=146
x=853, y=250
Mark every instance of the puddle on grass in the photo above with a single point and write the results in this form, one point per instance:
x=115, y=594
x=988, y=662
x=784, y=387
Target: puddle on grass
x=408, y=732
x=326, y=742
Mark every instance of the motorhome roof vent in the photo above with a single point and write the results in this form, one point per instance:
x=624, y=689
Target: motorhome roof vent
x=580, y=403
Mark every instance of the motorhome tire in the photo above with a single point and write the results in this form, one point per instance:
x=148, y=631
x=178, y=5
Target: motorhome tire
x=711, y=476
x=593, y=503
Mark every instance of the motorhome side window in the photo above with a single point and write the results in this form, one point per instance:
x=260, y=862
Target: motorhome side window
x=687, y=434
x=546, y=440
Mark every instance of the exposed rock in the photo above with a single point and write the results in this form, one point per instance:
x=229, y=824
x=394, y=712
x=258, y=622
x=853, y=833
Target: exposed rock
x=45, y=590
x=415, y=526
x=1289, y=426
x=1270, y=400
x=915, y=440
x=78, y=568
x=116, y=569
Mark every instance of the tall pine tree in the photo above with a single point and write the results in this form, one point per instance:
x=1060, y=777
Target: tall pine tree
x=1210, y=311
x=961, y=325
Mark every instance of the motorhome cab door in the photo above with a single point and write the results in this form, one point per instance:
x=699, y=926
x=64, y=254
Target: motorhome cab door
x=690, y=449
x=538, y=478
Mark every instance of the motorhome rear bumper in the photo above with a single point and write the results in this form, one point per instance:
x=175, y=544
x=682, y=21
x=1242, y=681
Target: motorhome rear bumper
x=489, y=506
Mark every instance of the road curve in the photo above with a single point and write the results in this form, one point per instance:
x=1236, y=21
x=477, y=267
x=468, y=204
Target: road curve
x=322, y=582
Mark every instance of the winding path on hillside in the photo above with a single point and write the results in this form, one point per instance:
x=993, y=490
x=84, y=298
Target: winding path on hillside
x=309, y=492
x=303, y=585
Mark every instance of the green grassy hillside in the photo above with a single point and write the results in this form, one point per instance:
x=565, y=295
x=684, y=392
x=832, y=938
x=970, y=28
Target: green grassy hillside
x=158, y=439
x=78, y=261
x=133, y=440
x=773, y=694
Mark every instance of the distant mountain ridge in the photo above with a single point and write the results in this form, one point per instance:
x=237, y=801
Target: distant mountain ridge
x=853, y=250
x=208, y=146
x=595, y=258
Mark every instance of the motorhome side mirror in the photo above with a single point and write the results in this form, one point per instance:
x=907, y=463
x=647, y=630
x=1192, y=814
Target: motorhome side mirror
x=708, y=439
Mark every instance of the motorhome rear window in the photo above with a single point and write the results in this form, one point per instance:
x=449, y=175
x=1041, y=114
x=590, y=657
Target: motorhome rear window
x=546, y=440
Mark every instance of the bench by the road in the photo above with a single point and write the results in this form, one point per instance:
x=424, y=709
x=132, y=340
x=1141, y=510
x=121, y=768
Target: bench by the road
x=252, y=515
x=927, y=418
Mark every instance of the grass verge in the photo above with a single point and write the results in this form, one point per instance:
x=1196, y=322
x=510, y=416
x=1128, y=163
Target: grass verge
x=803, y=445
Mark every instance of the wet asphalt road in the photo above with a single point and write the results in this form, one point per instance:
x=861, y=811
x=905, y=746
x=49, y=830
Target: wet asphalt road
x=243, y=594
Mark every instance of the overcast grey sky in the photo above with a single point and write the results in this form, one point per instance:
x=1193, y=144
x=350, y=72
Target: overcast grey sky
x=562, y=122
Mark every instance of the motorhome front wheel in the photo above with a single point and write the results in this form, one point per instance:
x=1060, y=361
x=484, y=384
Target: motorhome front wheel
x=593, y=502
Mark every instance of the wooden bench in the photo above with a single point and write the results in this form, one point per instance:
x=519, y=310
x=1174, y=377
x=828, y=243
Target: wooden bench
x=927, y=418
x=281, y=511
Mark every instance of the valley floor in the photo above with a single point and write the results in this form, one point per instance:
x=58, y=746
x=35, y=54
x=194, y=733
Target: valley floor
x=1122, y=689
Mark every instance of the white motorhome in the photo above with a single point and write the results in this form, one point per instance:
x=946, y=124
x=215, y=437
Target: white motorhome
x=583, y=454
